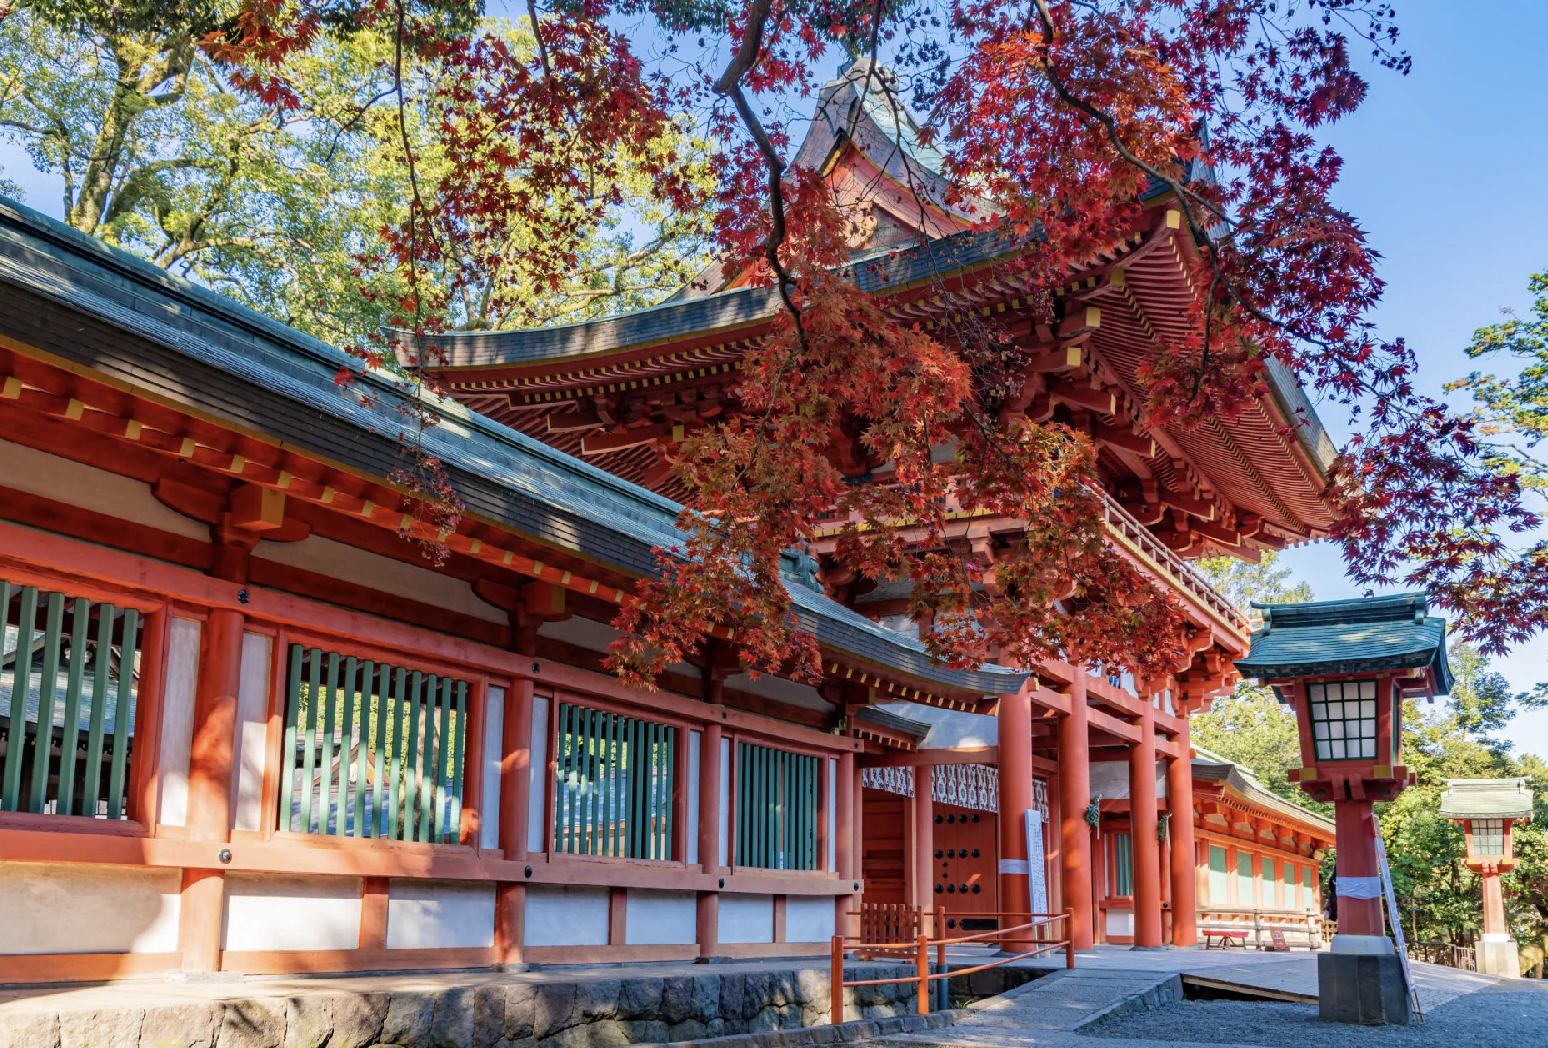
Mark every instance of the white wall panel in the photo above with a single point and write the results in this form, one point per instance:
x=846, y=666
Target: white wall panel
x=431, y=915
x=694, y=740
x=177, y=719
x=281, y=912
x=70, y=908
x=252, y=731
x=537, y=798
x=832, y=811
x=489, y=806
x=659, y=918
x=725, y=802
x=809, y=918
x=747, y=918
x=563, y=915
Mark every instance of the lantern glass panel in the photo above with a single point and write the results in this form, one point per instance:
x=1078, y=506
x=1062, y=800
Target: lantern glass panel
x=1343, y=720
x=1488, y=836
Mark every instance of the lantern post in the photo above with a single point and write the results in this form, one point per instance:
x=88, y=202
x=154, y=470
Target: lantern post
x=1345, y=667
x=1487, y=810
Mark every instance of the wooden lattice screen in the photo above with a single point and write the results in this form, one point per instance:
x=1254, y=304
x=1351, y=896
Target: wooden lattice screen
x=68, y=701
x=776, y=809
x=372, y=750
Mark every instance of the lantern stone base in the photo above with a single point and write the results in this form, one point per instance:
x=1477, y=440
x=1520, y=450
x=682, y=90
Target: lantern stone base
x=1362, y=988
x=1499, y=955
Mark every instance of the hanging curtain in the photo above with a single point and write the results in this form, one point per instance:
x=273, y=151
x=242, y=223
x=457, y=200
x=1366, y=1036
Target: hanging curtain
x=975, y=786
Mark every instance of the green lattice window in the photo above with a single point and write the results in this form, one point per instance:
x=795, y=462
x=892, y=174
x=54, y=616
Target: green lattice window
x=776, y=808
x=1217, y=875
x=1244, y=894
x=614, y=793
x=371, y=749
x=1123, y=864
x=1343, y=720
x=68, y=684
x=1488, y=836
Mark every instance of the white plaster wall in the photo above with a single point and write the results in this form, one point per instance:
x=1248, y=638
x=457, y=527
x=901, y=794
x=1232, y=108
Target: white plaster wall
x=177, y=719
x=748, y=918
x=280, y=912
x=339, y=561
x=779, y=689
x=598, y=636
x=949, y=729
x=832, y=811
x=252, y=731
x=725, y=802
x=809, y=918
x=47, y=908
x=694, y=740
x=658, y=918
x=537, y=798
x=489, y=804
x=1111, y=779
x=429, y=915
x=90, y=488
x=566, y=915
x=1120, y=922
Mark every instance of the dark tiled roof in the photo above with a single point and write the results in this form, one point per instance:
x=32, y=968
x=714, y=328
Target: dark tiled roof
x=740, y=307
x=1348, y=636
x=140, y=326
x=888, y=719
x=1211, y=767
x=1486, y=799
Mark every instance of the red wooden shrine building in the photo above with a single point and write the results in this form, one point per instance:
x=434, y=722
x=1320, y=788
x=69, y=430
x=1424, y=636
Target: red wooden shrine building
x=247, y=726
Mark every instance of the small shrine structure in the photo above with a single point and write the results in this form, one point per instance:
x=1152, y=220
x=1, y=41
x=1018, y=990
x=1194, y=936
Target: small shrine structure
x=1346, y=667
x=1487, y=809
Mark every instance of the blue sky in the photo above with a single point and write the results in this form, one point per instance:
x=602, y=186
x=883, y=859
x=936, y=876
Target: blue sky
x=1447, y=169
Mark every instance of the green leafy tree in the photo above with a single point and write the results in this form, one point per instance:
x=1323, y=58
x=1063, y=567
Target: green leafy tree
x=1250, y=726
x=1515, y=409
x=162, y=152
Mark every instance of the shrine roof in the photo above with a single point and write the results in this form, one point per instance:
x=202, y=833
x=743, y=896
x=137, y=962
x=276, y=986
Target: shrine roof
x=885, y=270
x=193, y=348
x=1486, y=799
x=1348, y=636
x=1211, y=767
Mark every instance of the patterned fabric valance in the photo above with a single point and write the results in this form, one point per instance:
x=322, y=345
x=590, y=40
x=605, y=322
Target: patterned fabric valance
x=974, y=786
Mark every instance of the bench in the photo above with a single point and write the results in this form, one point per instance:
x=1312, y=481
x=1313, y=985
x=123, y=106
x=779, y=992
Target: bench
x=1227, y=938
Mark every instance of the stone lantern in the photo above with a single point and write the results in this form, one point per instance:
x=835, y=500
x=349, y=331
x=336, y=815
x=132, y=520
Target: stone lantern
x=1486, y=810
x=1346, y=667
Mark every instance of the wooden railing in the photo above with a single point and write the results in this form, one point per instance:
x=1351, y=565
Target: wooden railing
x=1452, y=956
x=1260, y=925
x=1036, y=931
x=1131, y=533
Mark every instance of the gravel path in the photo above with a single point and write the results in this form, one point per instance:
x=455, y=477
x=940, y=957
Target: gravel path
x=1507, y=1015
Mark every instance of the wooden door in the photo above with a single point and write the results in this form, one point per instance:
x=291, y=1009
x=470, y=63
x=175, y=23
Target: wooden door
x=965, y=867
x=882, y=846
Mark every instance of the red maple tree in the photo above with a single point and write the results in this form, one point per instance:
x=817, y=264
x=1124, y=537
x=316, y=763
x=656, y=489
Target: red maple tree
x=1066, y=115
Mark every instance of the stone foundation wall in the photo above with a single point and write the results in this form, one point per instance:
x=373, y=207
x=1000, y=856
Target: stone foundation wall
x=494, y=1013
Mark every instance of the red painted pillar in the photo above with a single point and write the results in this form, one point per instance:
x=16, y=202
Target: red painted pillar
x=1185, y=874
x=1015, y=748
x=1356, y=831
x=924, y=837
x=515, y=797
x=1493, y=903
x=1147, y=849
x=709, y=837
x=209, y=786
x=844, y=826
x=1074, y=796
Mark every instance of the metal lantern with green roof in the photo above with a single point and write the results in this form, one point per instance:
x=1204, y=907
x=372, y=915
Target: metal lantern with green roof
x=1345, y=667
x=1487, y=809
